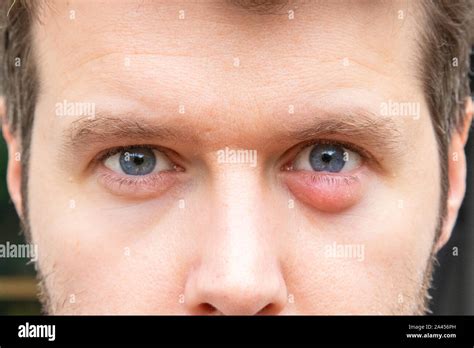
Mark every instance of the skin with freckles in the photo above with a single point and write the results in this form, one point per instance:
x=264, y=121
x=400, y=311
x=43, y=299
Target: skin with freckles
x=203, y=236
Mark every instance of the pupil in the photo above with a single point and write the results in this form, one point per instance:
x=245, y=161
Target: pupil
x=138, y=160
x=326, y=157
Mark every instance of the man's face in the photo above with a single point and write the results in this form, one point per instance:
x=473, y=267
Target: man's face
x=197, y=157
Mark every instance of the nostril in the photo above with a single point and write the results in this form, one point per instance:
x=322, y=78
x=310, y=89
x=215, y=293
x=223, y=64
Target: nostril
x=269, y=309
x=206, y=309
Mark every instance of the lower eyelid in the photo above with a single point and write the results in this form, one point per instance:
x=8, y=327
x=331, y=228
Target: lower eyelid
x=145, y=186
x=326, y=192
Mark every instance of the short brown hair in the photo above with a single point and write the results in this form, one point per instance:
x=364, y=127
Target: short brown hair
x=446, y=47
x=445, y=50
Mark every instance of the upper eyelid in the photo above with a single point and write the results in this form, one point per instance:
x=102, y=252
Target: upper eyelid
x=344, y=144
x=101, y=156
x=99, y=159
x=366, y=156
x=104, y=155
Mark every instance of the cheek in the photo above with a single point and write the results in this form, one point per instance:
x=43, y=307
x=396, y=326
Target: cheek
x=326, y=192
x=376, y=254
x=102, y=254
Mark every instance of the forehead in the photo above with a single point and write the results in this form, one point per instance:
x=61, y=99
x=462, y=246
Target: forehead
x=325, y=32
x=218, y=54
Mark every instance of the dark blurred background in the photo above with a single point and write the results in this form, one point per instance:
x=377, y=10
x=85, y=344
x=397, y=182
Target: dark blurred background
x=17, y=283
x=453, y=290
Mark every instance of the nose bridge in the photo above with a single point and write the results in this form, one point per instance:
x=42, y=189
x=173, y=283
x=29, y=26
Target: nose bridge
x=239, y=236
x=238, y=197
x=238, y=272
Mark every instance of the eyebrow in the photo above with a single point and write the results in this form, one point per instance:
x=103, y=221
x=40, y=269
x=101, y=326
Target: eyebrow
x=363, y=125
x=360, y=125
x=264, y=7
x=87, y=131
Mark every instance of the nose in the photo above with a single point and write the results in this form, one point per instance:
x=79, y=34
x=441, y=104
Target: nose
x=231, y=293
x=238, y=271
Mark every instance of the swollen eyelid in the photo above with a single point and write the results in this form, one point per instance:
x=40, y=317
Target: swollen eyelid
x=326, y=192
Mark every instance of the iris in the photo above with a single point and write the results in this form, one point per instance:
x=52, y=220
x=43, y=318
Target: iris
x=137, y=161
x=327, y=158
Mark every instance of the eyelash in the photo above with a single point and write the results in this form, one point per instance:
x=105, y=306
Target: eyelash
x=157, y=182
x=115, y=150
x=149, y=183
x=142, y=185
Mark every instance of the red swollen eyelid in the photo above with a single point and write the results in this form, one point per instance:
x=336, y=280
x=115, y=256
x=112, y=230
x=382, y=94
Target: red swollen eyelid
x=326, y=192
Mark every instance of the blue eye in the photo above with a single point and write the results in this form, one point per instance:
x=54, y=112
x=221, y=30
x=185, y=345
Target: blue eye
x=332, y=158
x=327, y=158
x=137, y=161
